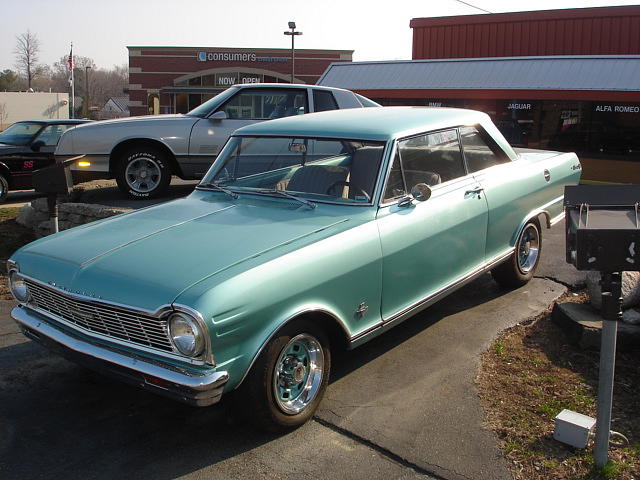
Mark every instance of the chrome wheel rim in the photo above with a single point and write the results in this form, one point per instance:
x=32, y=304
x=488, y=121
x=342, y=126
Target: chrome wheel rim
x=298, y=374
x=143, y=175
x=528, y=249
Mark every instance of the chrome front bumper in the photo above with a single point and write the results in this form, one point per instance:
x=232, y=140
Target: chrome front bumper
x=192, y=388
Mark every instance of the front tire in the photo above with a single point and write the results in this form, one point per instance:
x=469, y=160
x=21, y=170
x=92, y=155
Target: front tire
x=143, y=172
x=286, y=384
x=522, y=264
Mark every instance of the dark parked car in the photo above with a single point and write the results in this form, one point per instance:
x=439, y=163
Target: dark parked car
x=27, y=146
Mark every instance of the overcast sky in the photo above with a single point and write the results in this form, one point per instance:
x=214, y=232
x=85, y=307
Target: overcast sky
x=103, y=29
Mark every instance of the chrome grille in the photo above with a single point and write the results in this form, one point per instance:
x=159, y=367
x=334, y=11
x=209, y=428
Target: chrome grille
x=103, y=319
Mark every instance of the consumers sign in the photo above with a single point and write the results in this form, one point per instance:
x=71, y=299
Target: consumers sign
x=236, y=57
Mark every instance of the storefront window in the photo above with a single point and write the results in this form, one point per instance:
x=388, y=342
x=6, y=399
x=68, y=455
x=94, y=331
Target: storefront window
x=615, y=129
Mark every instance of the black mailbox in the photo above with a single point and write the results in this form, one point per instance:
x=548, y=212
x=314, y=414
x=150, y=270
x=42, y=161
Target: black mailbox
x=603, y=227
x=54, y=179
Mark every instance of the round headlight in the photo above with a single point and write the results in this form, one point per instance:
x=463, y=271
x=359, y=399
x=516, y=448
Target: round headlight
x=18, y=287
x=186, y=334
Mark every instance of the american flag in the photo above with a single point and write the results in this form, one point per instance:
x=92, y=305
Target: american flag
x=70, y=62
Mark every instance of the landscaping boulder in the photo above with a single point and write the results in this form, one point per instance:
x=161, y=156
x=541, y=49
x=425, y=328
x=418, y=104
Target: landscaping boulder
x=630, y=289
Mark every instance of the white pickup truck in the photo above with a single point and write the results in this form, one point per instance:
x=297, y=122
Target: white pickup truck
x=142, y=153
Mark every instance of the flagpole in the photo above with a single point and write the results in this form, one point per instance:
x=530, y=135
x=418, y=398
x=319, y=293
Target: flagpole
x=73, y=87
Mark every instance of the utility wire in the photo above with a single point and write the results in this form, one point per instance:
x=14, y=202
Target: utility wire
x=472, y=6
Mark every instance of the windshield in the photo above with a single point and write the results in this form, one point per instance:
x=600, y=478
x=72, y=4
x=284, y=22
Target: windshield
x=20, y=133
x=210, y=105
x=329, y=170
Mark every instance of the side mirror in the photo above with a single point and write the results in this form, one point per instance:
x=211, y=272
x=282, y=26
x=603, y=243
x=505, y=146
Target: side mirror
x=421, y=192
x=36, y=146
x=219, y=115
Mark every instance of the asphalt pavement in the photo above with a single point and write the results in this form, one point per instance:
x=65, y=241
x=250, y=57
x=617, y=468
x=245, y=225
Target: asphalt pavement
x=404, y=405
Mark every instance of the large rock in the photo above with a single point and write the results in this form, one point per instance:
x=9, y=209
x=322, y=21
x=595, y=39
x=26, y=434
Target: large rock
x=630, y=289
x=631, y=316
x=70, y=214
x=90, y=210
x=27, y=217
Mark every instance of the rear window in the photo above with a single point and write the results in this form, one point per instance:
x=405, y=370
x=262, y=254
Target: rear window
x=323, y=101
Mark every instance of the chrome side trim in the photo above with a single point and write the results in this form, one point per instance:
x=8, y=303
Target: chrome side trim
x=182, y=379
x=556, y=220
x=434, y=297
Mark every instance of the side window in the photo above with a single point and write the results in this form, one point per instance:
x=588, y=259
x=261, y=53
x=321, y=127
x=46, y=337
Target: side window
x=478, y=153
x=51, y=134
x=258, y=104
x=395, y=183
x=323, y=100
x=432, y=158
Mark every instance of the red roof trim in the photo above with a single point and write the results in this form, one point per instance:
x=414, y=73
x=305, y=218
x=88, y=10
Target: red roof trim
x=564, y=14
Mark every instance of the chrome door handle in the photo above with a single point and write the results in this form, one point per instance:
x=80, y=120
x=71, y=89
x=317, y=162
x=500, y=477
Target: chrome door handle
x=475, y=191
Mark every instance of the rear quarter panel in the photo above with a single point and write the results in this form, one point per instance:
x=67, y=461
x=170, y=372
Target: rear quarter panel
x=517, y=191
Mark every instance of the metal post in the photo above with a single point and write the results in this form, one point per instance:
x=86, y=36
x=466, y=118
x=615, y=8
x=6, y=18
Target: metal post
x=293, y=33
x=293, y=58
x=86, y=91
x=52, y=203
x=611, y=313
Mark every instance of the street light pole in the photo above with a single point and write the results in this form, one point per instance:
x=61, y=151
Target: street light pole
x=293, y=33
x=86, y=91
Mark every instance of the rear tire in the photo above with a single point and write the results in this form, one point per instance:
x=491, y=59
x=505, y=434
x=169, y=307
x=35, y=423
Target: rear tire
x=522, y=264
x=143, y=172
x=4, y=188
x=286, y=383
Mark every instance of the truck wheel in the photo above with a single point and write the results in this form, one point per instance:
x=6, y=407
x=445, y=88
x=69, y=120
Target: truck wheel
x=4, y=188
x=285, y=385
x=522, y=264
x=143, y=172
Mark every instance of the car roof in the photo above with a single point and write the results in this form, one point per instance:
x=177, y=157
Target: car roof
x=287, y=85
x=58, y=121
x=376, y=123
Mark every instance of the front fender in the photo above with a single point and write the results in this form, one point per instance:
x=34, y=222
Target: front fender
x=245, y=305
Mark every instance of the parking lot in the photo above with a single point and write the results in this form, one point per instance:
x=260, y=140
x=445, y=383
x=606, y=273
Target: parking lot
x=404, y=405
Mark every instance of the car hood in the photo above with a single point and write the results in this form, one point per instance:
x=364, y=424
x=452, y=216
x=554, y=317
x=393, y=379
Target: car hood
x=147, y=258
x=6, y=149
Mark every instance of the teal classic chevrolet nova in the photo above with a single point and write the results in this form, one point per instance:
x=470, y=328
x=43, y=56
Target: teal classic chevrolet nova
x=307, y=235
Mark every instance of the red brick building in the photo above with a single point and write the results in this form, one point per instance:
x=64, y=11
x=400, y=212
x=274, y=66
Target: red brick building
x=552, y=79
x=177, y=79
x=575, y=31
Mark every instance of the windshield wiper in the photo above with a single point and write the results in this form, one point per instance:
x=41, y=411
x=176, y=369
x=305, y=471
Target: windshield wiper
x=286, y=194
x=220, y=188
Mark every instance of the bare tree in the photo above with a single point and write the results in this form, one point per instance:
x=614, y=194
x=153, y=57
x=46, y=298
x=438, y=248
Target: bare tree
x=26, y=53
x=3, y=115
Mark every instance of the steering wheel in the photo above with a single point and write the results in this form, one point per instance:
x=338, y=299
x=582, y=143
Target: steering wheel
x=347, y=184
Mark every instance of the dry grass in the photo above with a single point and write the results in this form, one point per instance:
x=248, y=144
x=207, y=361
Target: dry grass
x=529, y=375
